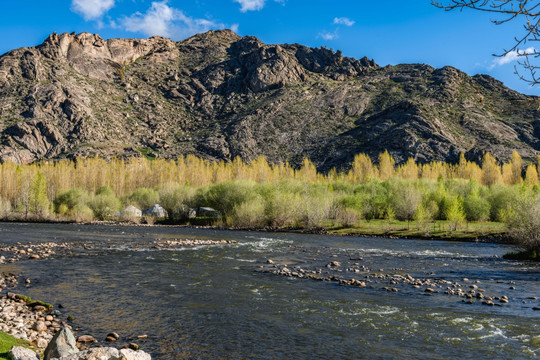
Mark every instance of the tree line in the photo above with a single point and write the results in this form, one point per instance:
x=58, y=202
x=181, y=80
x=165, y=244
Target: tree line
x=259, y=194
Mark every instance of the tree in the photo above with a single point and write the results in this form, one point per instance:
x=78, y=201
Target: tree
x=531, y=175
x=362, y=169
x=526, y=11
x=386, y=166
x=454, y=213
x=523, y=221
x=406, y=201
x=38, y=203
x=491, y=171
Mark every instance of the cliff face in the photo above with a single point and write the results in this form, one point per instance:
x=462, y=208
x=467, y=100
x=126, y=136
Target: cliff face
x=218, y=96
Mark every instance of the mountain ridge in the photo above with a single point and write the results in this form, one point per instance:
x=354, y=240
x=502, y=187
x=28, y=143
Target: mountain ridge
x=218, y=95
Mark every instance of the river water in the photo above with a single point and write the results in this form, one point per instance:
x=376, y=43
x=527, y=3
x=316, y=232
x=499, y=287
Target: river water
x=219, y=301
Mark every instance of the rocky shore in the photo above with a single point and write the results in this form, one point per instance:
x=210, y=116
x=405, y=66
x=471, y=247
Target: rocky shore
x=44, y=327
x=356, y=274
x=41, y=326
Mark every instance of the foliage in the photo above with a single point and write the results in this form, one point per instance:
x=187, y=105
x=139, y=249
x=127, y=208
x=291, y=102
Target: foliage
x=454, y=213
x=523, y=221
x=104, y=204
x=38, y=203
x=476, y=208
x=176, y=199
x=144, y=198
x=260, y=194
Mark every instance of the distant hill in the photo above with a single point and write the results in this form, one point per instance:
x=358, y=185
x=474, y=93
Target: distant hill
x=218, y=95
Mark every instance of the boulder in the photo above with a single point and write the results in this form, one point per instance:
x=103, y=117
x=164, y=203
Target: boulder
x=108, y=353
x=62, y=344
x=86, y=339
x=129, y=354
x=40, y=326
x=100, y=353
x=22, y=353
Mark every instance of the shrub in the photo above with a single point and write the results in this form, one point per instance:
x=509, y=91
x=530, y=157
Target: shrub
x=81, y=213
x=499, y=198
x=476, y=208
x=104, y=204
x=5, y=208
x=66, y=201
x=347, y=217
x=454, y=213
x=523, y=220
x=405, y=201
x=176, y=200
x=284, y=209
x=249, y=214
x=423, y=217
x=226, y=196
x=144, y=198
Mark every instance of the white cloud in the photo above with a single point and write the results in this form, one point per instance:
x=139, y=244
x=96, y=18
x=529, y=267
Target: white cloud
x=167, y=21
x=343, y=21
x=234, y=28
x=91, y=9
x=250, y=5
x=328, y=35
x=511, y=57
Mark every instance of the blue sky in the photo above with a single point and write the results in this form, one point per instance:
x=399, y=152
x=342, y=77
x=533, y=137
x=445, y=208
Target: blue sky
x=390, y=32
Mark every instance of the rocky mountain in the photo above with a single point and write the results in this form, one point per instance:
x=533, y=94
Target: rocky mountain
x=218, y=95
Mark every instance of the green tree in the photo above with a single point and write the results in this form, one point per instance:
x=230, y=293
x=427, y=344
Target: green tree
x=523, y=220
x=104, y=204
x=454, y=213
x=476, y=208
x=144, y=198
x=38, y=202
x=177, y=199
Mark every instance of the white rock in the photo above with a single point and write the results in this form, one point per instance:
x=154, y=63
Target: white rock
x=21, y=353
x=129, y=354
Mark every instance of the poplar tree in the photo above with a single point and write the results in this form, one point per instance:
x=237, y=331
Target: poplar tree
x=386, y=166
x=38, y=202
x=531, y=176
x=491, y=171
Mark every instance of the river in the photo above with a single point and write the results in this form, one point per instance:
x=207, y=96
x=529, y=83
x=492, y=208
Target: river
x=220, y=301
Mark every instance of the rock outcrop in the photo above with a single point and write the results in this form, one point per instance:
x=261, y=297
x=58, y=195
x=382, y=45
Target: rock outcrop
x=62, y=345
x=218, y=96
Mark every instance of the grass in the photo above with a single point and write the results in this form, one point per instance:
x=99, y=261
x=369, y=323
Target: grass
x=523, y=255
x=148, y=154
x=7, y=342
x=433, y=230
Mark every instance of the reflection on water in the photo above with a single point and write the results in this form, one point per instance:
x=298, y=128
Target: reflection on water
x=212, y=302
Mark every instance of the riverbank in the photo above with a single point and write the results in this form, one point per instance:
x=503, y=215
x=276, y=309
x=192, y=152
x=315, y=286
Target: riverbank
x=32, y=322
x=438, y=230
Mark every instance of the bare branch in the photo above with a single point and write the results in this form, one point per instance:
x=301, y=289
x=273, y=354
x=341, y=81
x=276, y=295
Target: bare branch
x=527, y=11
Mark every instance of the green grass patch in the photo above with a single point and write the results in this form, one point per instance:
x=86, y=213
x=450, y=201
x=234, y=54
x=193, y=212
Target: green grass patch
x=523, y=255
x=147, y=153
x=7, y=342
x=434, y=230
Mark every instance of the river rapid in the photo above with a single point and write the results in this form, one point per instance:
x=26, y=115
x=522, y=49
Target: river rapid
x=224, y=302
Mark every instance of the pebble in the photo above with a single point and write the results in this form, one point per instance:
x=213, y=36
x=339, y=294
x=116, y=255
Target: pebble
x=40, y=326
